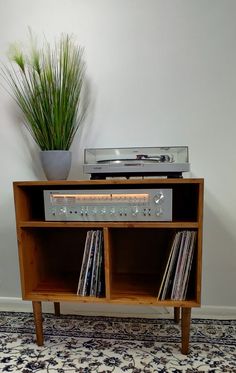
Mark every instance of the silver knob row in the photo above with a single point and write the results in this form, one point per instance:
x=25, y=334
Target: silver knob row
x=84, y=211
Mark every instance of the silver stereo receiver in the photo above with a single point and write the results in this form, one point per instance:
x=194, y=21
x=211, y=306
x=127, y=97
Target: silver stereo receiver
x=108, y=205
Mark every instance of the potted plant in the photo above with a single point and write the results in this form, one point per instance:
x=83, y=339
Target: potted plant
x=46, y=83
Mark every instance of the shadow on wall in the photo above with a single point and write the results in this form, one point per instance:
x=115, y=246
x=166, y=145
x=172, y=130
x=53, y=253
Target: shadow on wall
x=219, y=255
x=85, y=135
x=9, y=267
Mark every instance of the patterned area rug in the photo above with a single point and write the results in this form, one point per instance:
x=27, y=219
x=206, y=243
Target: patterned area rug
x=100, y=344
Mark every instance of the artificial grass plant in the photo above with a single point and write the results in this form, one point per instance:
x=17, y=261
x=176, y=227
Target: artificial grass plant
x=46, y=83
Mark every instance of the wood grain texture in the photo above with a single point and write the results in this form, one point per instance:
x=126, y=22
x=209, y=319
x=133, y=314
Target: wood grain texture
x=185, y=329
x=38, y=321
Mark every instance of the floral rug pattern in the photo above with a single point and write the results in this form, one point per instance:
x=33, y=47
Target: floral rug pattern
x=88, y=344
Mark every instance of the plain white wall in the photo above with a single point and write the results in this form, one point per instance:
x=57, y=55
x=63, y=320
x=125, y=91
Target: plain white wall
x=160, y=72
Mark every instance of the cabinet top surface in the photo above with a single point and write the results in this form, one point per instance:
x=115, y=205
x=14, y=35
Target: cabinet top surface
x=110, y=181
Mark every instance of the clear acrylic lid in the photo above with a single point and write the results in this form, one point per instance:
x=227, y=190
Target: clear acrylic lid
x=171, y=154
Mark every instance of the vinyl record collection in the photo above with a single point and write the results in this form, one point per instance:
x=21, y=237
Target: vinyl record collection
x=174, y=284
x=91, y=279
x=175, y=280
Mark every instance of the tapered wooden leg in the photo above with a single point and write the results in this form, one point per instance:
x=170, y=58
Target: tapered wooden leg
x=57, y=309
x=38, y=322
x=176, y=314
x=185, y=326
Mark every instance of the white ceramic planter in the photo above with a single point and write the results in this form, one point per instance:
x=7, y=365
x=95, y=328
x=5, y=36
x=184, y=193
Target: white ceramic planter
x=56, y=163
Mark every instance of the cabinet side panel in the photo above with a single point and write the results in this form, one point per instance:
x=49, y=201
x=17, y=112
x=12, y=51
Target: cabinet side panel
x=22, y=205
x=29, y=254
x=200, y=243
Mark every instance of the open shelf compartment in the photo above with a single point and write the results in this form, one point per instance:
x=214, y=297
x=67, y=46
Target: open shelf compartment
x=52, y=260
x=138, y=258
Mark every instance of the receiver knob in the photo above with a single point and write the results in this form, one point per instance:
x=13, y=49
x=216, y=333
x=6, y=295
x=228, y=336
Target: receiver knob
x=135, y=211
x=62, y=210
x=103, y=211
x=113, y=211
x=159, y=211
x=94, y=211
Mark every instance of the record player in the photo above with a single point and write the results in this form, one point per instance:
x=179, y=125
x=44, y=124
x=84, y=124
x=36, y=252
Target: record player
x=169, y=161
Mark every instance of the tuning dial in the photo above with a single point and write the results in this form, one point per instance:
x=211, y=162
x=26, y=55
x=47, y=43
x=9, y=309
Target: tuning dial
x=158, y=198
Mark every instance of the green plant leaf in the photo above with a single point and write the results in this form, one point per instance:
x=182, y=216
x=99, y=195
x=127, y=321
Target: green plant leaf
x=47, y=84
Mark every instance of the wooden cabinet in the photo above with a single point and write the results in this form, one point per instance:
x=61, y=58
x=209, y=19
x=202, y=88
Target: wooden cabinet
x=135, y=253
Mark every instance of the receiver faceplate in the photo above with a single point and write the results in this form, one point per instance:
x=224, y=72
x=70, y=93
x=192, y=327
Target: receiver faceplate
x=108, y=205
